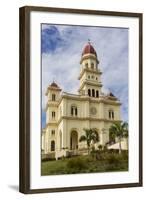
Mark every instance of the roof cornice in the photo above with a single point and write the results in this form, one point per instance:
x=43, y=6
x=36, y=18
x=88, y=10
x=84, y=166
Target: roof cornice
x=97, y=72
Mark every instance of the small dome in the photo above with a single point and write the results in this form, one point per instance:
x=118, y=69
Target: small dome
x=89, y=49
x=53, y=84
x=111, y=94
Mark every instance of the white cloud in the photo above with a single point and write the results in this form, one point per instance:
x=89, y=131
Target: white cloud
x=63, y=66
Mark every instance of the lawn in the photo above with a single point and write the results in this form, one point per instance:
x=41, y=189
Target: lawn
x=105, y=162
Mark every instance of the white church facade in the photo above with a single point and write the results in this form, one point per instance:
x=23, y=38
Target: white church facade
x=67, y=115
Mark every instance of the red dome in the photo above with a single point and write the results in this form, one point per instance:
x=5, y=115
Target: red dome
x=53, y=84
x=89, y=49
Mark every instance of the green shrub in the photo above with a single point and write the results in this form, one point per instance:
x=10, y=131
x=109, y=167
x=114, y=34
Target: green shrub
x=99, y=156
x=111, y=150
x=105, y=149
x=93, y=152
x=76, y=163
x=45, y=159
x=100, y=147
x=112, y=159
x=89, y=159
x=125, y=155
x=111, y=168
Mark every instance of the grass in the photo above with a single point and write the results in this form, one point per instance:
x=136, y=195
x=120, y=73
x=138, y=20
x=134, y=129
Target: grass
x=106, y=162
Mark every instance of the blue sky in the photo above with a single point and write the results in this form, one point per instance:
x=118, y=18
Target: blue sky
x=61, y=48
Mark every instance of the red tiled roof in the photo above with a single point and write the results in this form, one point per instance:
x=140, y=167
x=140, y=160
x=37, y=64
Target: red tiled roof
x=53, y=84
x=89, y=49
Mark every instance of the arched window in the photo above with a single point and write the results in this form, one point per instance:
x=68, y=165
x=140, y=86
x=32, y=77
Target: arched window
x=92, y=65
x=73, y=140
x=89, y=77
x=86, y=65
x=52, y=145
x=74, y=111
x=53, y=132
x=97, y=93
x=111, y=114
x=89, y=92
x=53, y=97
x=53, y=115
x=93, y=93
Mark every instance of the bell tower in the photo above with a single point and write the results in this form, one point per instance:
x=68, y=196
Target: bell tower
x=53, y=96
x=90, y=74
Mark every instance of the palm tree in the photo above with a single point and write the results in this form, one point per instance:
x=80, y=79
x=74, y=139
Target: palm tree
x=90, y=136
x=119, y=130
x=126, y=133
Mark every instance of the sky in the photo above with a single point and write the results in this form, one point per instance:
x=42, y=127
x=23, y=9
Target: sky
x=61, y=48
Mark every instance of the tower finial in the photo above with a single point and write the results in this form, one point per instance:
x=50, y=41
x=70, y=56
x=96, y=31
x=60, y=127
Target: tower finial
x=89, y=41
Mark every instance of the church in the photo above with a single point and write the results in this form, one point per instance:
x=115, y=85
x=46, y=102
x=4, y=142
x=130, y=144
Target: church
x=67, y=115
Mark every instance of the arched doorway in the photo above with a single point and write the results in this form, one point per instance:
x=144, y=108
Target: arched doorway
x=52, y=145
x=74, y=140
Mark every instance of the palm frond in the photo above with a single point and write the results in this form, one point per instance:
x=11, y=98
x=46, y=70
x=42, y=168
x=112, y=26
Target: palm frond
x=119, y=129
x=83, y=138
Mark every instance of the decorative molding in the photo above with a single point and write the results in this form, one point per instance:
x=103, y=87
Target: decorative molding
x=52, y=88
x=89, y=83
x=89, y=55
x=100, y=99
x=51, y=104
x=87, y=118
x=97, y=72
x=51, y=124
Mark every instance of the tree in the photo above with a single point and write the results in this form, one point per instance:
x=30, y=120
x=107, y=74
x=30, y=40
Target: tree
x=126, y=133
x=90, y=136
x=100, y=147
x=119, y=130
